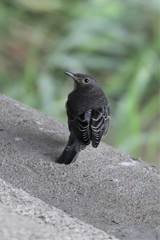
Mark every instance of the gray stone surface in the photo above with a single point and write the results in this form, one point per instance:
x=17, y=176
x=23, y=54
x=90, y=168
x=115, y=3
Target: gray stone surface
x=105, y=188
x=23, y=217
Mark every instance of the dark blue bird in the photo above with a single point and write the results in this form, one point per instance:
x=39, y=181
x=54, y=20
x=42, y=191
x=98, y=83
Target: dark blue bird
x=88, y=116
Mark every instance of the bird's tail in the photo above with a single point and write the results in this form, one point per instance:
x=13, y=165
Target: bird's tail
x=67, y=156
x=71, y=151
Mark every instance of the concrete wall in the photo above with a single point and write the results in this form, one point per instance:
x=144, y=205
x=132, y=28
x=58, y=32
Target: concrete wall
x=104, y=194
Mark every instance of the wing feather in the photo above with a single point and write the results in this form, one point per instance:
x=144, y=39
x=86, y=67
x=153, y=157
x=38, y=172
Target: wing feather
x=99, y=124
x=80, y=125
x=90, y=125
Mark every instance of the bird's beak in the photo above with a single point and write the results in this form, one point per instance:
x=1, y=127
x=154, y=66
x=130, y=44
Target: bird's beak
x=73, y=77
x=70, y=74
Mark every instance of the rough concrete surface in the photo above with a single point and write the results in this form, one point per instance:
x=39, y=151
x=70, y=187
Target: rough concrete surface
x=104, y=188
x=23, y=217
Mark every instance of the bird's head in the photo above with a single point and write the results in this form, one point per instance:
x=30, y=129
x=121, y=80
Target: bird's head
x=82, y=81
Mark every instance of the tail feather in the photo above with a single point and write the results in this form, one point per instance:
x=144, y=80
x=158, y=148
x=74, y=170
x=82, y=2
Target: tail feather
x=68, y=156
x=71, y=151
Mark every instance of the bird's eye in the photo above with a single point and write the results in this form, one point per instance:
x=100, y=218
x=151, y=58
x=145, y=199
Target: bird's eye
x=86, y=80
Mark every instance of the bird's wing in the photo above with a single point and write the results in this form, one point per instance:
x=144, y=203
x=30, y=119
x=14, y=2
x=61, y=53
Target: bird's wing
x=99, y=124
x=90, y=125
x=80, y=125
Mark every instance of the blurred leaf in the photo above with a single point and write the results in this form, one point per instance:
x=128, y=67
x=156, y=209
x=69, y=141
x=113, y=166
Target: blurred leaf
x=40, y=5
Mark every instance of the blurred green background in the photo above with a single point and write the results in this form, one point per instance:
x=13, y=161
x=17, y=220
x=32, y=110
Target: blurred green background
x=115, y=41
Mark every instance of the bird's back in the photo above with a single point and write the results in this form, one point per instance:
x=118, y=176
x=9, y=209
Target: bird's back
x=79, y=102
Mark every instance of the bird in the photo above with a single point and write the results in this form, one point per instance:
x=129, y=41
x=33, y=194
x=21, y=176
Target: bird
x=88, y=114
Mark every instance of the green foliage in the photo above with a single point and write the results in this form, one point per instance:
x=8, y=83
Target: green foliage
x=115, y=41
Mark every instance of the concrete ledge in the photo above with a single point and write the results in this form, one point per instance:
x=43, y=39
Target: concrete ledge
x=23, y=217
x=105, y=188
